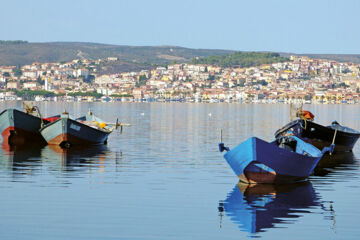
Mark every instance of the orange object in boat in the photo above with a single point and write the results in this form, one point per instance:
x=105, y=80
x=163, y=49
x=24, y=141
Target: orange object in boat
x=307, y=115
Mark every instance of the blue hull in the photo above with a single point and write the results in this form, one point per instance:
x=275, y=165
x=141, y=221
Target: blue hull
x=258, y=161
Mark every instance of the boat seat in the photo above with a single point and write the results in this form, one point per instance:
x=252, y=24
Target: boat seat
x=287, y=143
x=258, y=167
x=305, y=148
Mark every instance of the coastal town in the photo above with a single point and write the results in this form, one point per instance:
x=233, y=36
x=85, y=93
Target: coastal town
x=300, y=79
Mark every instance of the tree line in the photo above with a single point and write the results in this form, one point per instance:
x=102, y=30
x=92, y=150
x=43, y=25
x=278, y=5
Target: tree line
x=30, y=94
x=241, y=59
x=6, y=42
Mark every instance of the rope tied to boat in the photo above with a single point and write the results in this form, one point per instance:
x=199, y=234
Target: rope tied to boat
x=305, y=116
x=304, y=119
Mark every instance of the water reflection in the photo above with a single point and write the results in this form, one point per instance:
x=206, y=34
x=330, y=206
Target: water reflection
x=74, y=158
x=21, y=159
x=260, y=207
x=329, y=163
x=26, y=159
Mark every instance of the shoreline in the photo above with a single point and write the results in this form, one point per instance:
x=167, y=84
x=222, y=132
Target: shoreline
x=195, y=102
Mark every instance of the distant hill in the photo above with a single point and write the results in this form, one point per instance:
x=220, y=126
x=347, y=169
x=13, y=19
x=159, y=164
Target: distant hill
x=354, y=58
x=131, y=58
x=21, y=52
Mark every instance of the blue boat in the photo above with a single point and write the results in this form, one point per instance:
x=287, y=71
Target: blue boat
x=257, y=208
x=287, y=159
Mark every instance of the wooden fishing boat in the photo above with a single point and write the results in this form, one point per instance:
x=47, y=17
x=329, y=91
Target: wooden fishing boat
x=255, y=208
x=287, y=159
x=86, y=130
x=322, y=136
x=18, y=127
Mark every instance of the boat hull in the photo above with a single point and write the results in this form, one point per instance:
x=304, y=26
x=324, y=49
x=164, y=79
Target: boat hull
x=320, y=136
x=257, y=161
x=66, y=132
x=18, y=127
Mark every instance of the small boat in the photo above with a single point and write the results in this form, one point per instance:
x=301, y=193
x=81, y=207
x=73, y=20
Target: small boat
x=18, y=127
x=287, y=159
x=86, y=130
x=261, y=207
x=322, y=136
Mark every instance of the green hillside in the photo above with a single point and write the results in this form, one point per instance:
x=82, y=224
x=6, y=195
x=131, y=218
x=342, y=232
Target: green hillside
x=133, y=58
x=21, y=52
x=241, y=59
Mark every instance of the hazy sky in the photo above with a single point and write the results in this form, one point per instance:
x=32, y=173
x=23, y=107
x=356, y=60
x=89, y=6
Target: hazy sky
x=301, y=26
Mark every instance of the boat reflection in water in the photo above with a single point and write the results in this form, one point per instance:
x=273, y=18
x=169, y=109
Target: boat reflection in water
x=29, y=159
x=329, y=163
x=78, y=156
x=255, y=208
x=21, y=159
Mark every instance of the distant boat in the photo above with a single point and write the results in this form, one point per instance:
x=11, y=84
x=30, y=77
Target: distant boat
x=106, y=99
x=18, y=127
x=322, y=136
x=87, y=130
x=257, y=208
x=287, y=159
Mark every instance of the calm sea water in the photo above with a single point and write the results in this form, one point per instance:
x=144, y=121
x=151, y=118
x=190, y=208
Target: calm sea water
x=163, y=178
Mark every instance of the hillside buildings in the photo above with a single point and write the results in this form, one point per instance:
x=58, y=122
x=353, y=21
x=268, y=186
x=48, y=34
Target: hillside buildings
x=301, y=79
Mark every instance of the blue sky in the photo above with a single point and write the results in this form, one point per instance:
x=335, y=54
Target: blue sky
x=306, y=26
